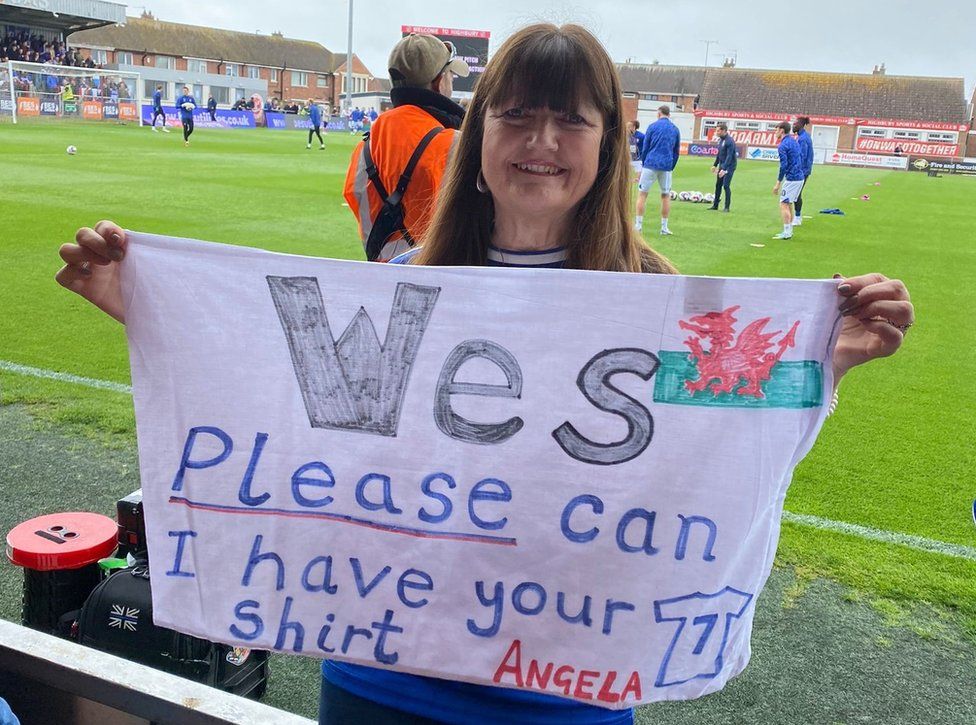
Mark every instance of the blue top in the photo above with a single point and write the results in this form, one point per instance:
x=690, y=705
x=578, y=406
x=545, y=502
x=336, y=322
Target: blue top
x=212, y=104
x=662, y=144
x=356, y=115
x=186, y=115
x=315, y=114
x=636, y=141
x=790, y=161
x=157, y=100
x=726, y=159
x=806, y=151
x=461, y=702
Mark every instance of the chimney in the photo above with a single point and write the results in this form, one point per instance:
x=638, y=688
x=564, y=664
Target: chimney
x=146, y=15
x=879, y=70
x=729, y=62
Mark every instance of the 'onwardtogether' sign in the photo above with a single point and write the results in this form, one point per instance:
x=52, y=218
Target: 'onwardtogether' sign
x=557, y=480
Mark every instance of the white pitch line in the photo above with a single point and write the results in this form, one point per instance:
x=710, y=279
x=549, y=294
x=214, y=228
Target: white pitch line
x=919, y=543
x=932, y=546
x=64, y=377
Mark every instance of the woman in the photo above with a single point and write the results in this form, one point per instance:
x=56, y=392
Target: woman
x=540, y=177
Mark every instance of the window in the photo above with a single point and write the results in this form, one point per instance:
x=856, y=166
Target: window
x=321, y=81
x=123, y=58
x=942, y=137
x=253, y=71
x=221, y=94
x=274, y=75
x=239, y=94
x=298, y=78
x=771, y=126
x=99, y=56
x=232, y=69
x=164, y=61
x=149, y=88
x=747, y=125
x=196, y=66
x=908, y=135
x=872, y=132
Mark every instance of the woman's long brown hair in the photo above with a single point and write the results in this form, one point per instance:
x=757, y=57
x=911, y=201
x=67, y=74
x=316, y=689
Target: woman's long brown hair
x=545, y=66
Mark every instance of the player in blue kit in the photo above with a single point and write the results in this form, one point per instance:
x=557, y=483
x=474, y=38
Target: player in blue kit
x=315, y=116
x=659, y=156
x=806, y=154
x=186, y=104
x=790, y=181
x=157, y=101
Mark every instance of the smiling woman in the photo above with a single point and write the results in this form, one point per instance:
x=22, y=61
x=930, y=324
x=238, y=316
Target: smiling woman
x=542, y=162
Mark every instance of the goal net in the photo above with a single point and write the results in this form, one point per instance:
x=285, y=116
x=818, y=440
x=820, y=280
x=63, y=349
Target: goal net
x=32, y=91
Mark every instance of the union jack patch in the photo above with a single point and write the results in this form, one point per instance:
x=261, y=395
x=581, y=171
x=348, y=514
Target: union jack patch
x=123, y=617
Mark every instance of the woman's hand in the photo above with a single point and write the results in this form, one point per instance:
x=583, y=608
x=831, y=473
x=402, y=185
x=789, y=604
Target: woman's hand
x=877, y=313
x=91, y=267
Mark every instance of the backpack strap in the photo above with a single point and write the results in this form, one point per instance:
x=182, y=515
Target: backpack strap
x=375, y=246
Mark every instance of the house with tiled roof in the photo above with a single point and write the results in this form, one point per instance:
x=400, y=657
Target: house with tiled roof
x=863, y=113
x=225, y=63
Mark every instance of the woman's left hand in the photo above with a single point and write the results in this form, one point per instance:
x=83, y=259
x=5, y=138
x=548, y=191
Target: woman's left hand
x=877, y=313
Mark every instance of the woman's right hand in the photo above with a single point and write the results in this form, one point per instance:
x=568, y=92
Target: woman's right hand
x=91, y=267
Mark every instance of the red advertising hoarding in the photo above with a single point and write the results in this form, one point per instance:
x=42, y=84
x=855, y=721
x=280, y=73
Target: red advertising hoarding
x=91, y=110
x=909, y=148
x=28, y=106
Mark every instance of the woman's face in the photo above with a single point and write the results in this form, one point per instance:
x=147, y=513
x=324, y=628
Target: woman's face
x=540, y=162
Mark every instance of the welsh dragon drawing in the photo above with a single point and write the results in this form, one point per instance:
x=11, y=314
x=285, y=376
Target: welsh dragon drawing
x=729, y=361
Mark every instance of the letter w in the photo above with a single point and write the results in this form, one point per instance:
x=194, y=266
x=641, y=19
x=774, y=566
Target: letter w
x=355, y=383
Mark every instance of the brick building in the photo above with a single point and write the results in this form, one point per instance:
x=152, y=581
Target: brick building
x=873, y=113
x=228, y=64
x=648, y=87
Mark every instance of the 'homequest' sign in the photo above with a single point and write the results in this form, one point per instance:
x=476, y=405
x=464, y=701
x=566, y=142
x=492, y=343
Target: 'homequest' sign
x=554, y=480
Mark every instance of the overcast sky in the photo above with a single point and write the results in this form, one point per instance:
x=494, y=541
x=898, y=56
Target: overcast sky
x=912, y=37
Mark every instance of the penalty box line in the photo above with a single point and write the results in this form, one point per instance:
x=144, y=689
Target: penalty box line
x=919, y=543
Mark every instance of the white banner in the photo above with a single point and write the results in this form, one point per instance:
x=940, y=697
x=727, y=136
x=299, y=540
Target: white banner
x=886, y=162
x=556, y=480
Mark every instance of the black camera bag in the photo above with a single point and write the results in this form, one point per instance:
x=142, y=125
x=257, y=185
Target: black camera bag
x=117, y=618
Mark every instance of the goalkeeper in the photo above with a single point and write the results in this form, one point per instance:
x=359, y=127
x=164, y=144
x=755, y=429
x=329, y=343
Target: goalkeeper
x=186, y=103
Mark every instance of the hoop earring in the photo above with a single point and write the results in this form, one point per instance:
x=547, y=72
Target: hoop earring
x=480, y=183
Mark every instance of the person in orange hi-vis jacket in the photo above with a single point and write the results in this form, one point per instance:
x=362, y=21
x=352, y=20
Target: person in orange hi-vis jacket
x=423, y=121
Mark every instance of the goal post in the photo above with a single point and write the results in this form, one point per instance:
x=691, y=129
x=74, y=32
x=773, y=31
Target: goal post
x=36, y=91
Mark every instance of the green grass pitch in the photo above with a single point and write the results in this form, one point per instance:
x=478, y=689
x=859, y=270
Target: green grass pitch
x=897, y=456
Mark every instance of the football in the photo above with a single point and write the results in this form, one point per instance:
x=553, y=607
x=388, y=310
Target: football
x=71, y=150
x=695, y=196
x=684, y=195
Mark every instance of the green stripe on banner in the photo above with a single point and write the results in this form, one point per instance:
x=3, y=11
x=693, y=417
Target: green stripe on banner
x=791, y=385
